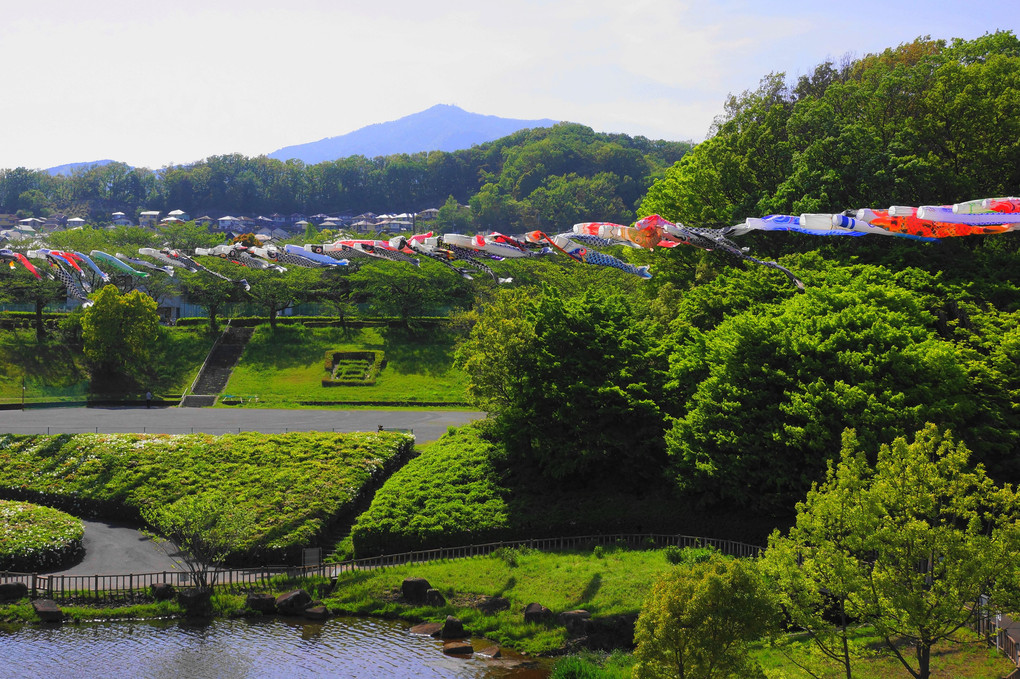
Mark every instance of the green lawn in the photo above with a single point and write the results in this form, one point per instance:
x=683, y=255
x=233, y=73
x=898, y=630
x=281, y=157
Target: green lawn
x=607, y=582
x=286, y=366
x=970, y=658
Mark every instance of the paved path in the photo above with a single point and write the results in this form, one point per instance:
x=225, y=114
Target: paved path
x=428, y=425
x=113, y=548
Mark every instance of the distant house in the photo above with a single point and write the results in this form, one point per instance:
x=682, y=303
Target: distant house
x=278, y=219
x=296, y=217
x=120, y=219
x=75, y=222
x=280, y=234
x=179, y=214
x=28, y=227
x=205, y=220
x=148, y=219
x=227, y=223
x=428, y=214
x=302, y=225
x=8, y=221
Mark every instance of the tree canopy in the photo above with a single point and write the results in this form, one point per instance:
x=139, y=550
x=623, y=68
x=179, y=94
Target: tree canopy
x=906, y=544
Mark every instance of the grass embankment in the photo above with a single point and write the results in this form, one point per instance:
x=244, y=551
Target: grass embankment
x=605, y=582
x=54, y=371
x=50, y=370
x=286, y=367
x=34, y=538
x=461, y=491
x=293, y=486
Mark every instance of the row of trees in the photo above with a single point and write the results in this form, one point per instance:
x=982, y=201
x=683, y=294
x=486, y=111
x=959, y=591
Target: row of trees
x=545, y=176
x=925, y=123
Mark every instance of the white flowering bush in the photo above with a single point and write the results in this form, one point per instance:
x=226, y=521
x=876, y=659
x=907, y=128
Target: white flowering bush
x=295, y=487
x=34, y=538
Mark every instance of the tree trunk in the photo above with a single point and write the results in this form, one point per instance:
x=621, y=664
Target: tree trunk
x=40, y=329
x=923, y=661
x=212, y=320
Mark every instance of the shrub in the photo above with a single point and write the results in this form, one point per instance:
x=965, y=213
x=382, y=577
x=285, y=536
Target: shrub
x=35, y=538
x=688, y=555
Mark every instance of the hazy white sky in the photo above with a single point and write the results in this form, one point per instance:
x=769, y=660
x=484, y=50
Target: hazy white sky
x=153, y=83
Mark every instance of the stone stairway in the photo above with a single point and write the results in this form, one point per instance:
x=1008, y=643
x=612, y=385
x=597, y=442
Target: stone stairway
x=218, y=366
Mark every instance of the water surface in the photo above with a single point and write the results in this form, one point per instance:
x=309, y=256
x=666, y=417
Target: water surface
x=234, y=649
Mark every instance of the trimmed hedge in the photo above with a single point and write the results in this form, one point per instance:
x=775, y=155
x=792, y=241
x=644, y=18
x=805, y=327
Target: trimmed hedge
x=353, y=368
x=297, y=487
x=34, y=538
x=448, y=495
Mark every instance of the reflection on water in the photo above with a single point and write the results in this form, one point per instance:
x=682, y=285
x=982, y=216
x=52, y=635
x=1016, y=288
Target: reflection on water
x=231, y=649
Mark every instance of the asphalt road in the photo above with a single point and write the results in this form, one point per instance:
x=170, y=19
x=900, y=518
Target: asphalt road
x=427, y=425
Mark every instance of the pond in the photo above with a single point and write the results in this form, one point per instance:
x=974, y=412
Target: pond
x=250, y=648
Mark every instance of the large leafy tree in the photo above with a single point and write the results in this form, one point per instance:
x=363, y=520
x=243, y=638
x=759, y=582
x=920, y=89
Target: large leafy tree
x=907, y=544
x=698, y=621
x=760, y=396
x=572, y=383
x=275, y=291
x=202, y=531
x=210, y=292
x=120, y=335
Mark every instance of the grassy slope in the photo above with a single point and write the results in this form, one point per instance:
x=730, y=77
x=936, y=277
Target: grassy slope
x=613, y=584
x=287, y=366
x=55, y=372
x=294, y=485
x=51, y=371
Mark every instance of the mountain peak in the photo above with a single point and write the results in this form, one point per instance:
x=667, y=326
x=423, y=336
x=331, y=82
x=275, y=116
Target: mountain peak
x=442, y=127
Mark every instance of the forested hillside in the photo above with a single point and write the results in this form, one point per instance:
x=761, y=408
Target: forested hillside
x=534, y=177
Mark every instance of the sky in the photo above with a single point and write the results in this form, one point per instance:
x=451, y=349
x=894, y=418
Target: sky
x=159, y=83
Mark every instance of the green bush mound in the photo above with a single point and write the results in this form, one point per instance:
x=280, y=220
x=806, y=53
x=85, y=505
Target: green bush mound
x=34, y=538
x=460, y=491
x=448, y=495
x=296, y=487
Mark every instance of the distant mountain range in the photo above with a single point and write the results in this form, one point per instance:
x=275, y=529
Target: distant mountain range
x=440, y=128
x=67, y=169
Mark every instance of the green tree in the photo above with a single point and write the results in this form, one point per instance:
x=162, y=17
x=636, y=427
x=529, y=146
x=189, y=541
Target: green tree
x=400, y=289
x=210, y=292
x=908, y=545
x=453, y=217
x=120, y=333
x=699, y=619
x=203, y=531
x=572, y=383
x=21, y=287
x=760, y=397
x=187, y=236
x=275, y=291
